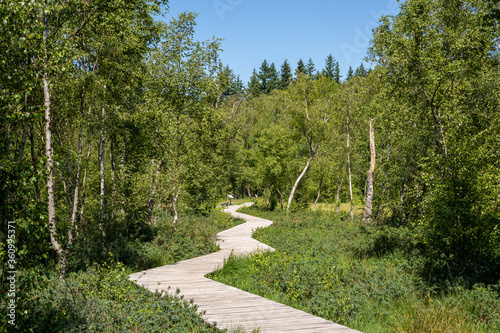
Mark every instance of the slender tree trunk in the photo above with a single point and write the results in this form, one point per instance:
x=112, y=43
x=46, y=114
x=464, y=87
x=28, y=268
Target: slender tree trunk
x=175, y=195
x=349, y=168
x=437, y=116
x=281, y=197
x=319, y=194
x=113, y=180
x=402, y=197
x=151, y=203
x=177, y=181
x=77, y=187
x=294, y=188
x=270, y=196
x=174, y=206
x=337, y=196
x=367, y=216
x=122, y=182
x=102, y=145
x=263, y=199
x=67, y=186
x=61, y=256
x=84, y=183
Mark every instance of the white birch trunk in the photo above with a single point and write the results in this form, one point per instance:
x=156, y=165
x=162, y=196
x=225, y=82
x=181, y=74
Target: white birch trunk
x=50, y=180
x=294, y=188
x=369, y=193
x=102, y=145
x=319, y=194
x=152, y=198
x=349, y=168
x=75, y=195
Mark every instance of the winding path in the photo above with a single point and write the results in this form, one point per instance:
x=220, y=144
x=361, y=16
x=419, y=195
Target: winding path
x=226, y=306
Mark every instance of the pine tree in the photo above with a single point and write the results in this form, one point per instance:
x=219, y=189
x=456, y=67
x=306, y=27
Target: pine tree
x=268, y=77
x=231, y=83
x=301, y=68
x=310, y=69
x=285, y=75
x=329, y=70
x=332, y=69
x=361, y=71
x=265, y=81
x=254, y=84
x=336, y=73
x=350, y=74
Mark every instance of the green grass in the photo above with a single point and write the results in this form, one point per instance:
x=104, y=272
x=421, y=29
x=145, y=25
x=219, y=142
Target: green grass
x=344, y=207
x=367, y=278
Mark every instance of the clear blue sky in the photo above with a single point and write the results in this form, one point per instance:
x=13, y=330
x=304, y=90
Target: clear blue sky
x=275, y=30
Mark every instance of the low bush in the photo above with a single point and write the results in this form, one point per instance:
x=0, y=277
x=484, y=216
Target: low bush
x=102, y=299
x=97, y=297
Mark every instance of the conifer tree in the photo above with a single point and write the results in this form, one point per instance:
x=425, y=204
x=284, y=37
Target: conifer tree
x=332, y=70
x=268, y=77
x=336, y=73
x=265, y=81
x=361, y=71
x=350, y=74
x=301, y=68
x=285, y=75
x=254, y=84
x=310, y=69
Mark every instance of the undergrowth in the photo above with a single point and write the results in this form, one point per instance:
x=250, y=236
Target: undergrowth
x=97, y=295
x=102, y=299
x=166, y=243
x=367, y=278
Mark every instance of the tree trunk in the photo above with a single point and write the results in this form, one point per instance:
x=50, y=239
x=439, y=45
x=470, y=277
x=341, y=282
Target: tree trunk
x=281, y=198
x=437, y=116
x=153, y=186
x=294, y=188
x=263, y=199
x=319, y=194
x=270, y=195
x=75, y=195
x=175, y=197
x=122, y=182
x=113, y=180
x=349, y=168
x=61, y=256
x=84, y=183
x=102, y=145
x=367, y=216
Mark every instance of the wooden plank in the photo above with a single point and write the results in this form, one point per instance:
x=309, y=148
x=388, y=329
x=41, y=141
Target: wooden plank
x=227, y=306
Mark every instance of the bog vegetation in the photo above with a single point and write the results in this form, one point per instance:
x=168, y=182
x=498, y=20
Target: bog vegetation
x=121, y=132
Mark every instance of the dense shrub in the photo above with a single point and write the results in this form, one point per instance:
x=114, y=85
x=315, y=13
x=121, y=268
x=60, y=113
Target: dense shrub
x=99, y=298
x=102, y=299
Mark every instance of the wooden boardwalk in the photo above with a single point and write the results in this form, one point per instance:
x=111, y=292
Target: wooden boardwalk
x=227, y=306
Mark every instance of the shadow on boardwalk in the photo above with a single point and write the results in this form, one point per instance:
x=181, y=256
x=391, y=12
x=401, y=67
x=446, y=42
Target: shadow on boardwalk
x=227, y=306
